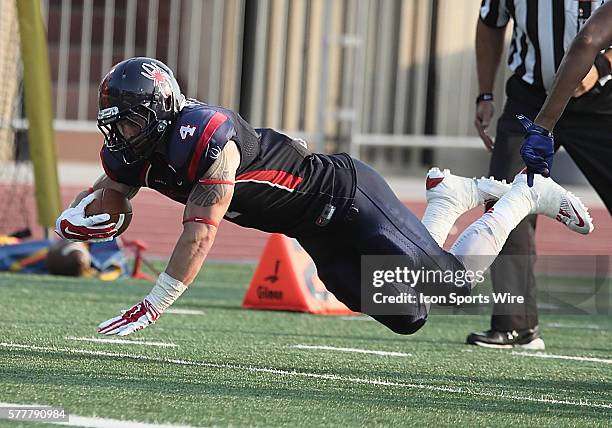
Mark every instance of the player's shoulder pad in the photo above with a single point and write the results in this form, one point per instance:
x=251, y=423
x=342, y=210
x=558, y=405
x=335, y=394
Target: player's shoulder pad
x=120, y=172
x=198, y=137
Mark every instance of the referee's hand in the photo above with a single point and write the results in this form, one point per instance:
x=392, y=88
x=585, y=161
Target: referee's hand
x=484, y=113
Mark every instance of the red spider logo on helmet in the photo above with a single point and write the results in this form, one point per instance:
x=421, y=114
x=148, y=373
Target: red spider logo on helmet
x=155, y=73
x=160, y=78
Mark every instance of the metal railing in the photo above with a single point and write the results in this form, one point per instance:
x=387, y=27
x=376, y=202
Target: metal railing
x=343, y=73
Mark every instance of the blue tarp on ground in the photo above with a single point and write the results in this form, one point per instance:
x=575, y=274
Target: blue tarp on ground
x=29, y=257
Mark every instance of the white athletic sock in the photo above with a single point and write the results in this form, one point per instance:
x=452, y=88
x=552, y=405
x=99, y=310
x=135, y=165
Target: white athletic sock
x=439, y=217
x=481, y=242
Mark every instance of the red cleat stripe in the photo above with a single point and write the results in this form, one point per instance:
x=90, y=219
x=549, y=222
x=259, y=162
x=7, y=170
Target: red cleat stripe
x=430, y=183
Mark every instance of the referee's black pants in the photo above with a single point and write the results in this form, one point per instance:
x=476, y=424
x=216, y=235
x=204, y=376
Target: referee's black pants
x=587, y=137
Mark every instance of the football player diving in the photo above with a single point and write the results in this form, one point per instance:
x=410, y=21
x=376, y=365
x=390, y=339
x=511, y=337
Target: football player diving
x=338, y=208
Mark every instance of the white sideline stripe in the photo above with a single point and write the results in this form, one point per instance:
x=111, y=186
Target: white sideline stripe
x=564, y=357
x=93, y=422
x=123, y=341
x=493, y=345
x=548, y=306
x=184, y=311
x=575, y=326
x=356, y=318
x=359, y=351
x=333, y=377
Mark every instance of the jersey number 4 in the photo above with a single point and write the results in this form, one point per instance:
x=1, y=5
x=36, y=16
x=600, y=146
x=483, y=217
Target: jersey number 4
x=187, y=130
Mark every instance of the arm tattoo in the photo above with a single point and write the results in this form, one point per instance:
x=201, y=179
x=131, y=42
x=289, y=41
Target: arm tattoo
x=206, y=195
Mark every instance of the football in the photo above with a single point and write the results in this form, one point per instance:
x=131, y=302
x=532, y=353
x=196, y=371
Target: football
x=111, y=202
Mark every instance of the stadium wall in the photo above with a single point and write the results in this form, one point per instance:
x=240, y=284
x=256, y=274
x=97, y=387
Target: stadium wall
x=326, y=70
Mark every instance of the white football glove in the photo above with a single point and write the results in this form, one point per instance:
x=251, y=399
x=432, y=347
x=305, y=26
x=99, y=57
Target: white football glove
x=73, y=225
x=162, y=295
x=136, y=318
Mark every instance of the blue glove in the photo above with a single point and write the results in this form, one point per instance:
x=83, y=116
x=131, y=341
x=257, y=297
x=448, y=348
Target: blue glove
x=537, y=150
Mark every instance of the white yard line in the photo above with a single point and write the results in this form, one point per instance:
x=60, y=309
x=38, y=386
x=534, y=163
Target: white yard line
x=122, y=341
x=548, y=306
x=180, y=311
x=356, y=318
x=563, y=357
x=575, y=326
x=359, y=351
x=295, y=373
x=95, y=422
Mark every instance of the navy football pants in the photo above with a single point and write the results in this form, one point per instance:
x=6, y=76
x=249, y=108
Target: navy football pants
x=383, y=226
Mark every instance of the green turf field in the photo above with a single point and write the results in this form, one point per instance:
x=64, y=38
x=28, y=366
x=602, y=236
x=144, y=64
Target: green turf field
x=237, y=367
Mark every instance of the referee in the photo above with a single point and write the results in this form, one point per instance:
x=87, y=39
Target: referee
x=543, y=30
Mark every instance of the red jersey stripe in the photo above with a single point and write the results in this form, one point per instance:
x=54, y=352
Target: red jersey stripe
x=274, y=177
x=210, y=181
x=211, y=127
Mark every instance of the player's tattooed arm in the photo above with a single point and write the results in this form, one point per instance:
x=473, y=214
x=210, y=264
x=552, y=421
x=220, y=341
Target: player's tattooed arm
x=204, y=210
x=216, y=183
x=213, y=191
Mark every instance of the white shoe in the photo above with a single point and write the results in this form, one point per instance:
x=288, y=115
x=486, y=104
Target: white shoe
x=534, y=345
x=491, y=189
x=552, y=200
x=464, y=193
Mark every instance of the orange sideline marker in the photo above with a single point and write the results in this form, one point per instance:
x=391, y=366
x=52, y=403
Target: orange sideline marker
x=286, y=280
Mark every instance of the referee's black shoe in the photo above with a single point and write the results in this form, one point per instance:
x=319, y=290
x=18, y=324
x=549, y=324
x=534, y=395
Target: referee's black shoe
x=527, y=339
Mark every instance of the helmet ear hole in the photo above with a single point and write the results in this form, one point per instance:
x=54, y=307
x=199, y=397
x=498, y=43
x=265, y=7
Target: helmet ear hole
x=168, y=103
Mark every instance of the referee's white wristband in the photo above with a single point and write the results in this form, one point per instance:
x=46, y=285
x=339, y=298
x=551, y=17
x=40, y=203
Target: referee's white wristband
x=165, y=292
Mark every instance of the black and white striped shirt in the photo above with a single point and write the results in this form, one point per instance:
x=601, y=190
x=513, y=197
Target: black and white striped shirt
x=543, y=31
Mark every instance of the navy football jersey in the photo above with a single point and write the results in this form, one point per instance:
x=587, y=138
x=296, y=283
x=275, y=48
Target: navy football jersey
x=280, y=185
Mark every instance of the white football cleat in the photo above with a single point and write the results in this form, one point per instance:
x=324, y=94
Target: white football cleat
x=552, y=200
x=464, y=193
x=491, y=189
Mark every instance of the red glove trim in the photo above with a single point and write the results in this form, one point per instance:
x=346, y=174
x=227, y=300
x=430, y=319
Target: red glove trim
x=133, y=315
x=83, y=233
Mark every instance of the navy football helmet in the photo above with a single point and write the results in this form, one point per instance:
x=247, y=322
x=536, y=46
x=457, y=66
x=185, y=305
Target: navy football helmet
x=138, y=99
